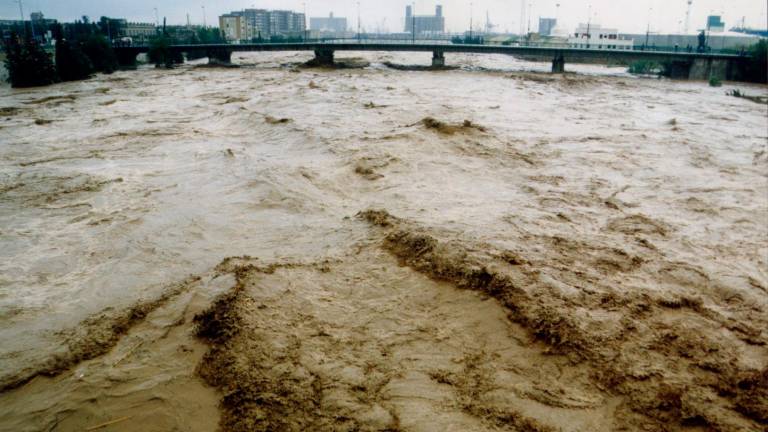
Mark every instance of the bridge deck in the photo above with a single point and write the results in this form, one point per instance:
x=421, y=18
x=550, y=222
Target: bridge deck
x=522, y=51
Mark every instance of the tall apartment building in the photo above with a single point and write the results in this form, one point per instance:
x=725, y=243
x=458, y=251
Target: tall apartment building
x=546, y=25
x=232, y=26
x=261, y=23
x=424, y=24
x=256, y=23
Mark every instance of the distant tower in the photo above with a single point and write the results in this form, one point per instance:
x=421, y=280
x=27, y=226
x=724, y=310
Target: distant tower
x=439, y=10
x=408, y=19
x=688, y=16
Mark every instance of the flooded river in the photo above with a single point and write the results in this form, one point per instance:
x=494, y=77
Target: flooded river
x=628, y=217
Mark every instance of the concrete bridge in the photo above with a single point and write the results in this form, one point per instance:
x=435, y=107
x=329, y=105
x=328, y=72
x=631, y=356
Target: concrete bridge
x=683, y=65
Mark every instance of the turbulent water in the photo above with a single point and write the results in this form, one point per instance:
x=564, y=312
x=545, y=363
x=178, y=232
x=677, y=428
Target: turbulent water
x=114, y=189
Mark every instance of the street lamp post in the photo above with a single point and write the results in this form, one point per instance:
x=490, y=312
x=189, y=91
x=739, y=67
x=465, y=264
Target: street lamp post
x=413, y=22
x=205, y=24
x=471, y=11
x=31, y=23
x=589, y=26
x=530, y=9
x=706, y=36
x=21, y=10
x=648, y=28
x=358, y=23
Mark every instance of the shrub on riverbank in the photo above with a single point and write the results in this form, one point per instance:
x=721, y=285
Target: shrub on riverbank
x=644, y=67
x=71, y=63
x=160, y=52
x=100, y=52
x=756, y=69
x=27, y=63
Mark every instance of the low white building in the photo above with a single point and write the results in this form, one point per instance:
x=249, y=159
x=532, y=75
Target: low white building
x=592, y=36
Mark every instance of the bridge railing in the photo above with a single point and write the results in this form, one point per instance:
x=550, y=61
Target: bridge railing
x=448, y=42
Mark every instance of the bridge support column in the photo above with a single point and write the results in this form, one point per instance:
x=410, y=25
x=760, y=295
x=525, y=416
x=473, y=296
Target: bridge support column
x=126, y=58
x=323, y=57
x=707, y=68
x=194, y=54
x=219, y=56
x=680, y=69
x=438, y=59
x=558, y=64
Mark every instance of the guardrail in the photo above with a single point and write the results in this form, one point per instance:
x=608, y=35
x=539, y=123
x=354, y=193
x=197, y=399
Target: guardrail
x=447, y=42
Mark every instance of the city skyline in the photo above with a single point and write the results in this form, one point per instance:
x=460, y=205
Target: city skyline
x=662, y=16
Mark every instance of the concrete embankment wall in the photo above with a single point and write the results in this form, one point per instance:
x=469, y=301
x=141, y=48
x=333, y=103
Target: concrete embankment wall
x=703, y=69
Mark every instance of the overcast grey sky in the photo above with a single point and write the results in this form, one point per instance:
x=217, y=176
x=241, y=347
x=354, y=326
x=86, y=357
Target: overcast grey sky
x=627, y=15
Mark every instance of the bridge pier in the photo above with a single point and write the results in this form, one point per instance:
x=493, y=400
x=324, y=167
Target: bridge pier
x=126, y=58
x=703, y=69
x=323, y=57
x=194, y=54
x=680, y=65
x=438, y=59
x=558, y=64
x=707, y=68
x=219, y=56
x=679, y=70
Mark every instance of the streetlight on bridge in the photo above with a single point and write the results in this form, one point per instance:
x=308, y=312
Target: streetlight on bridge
x=31, y=22
x=358, y=23
x=648, y=28
x=589, y=26
x=530, y=9
x=413, y=22
x=471, y=12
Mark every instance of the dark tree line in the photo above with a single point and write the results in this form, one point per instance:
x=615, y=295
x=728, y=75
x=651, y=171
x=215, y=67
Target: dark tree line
x=159, y=47
x=161, y=54
x=204, y=36
x=28, y=64
x=90, y=39
x=85, y=47
x=82, y=49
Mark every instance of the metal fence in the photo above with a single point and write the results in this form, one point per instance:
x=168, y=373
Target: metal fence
x=443, y=41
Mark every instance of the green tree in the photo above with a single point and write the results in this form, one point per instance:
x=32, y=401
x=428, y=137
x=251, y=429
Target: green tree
x=80, y=29
x=110, y=27
x=161, y=54
x=210, y=35
x=756, y=69
x=27, y=63
x=71, y=63
x=99, y=51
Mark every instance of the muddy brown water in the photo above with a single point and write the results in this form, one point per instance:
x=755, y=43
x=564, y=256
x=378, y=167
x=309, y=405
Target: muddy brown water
x=626, y=217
